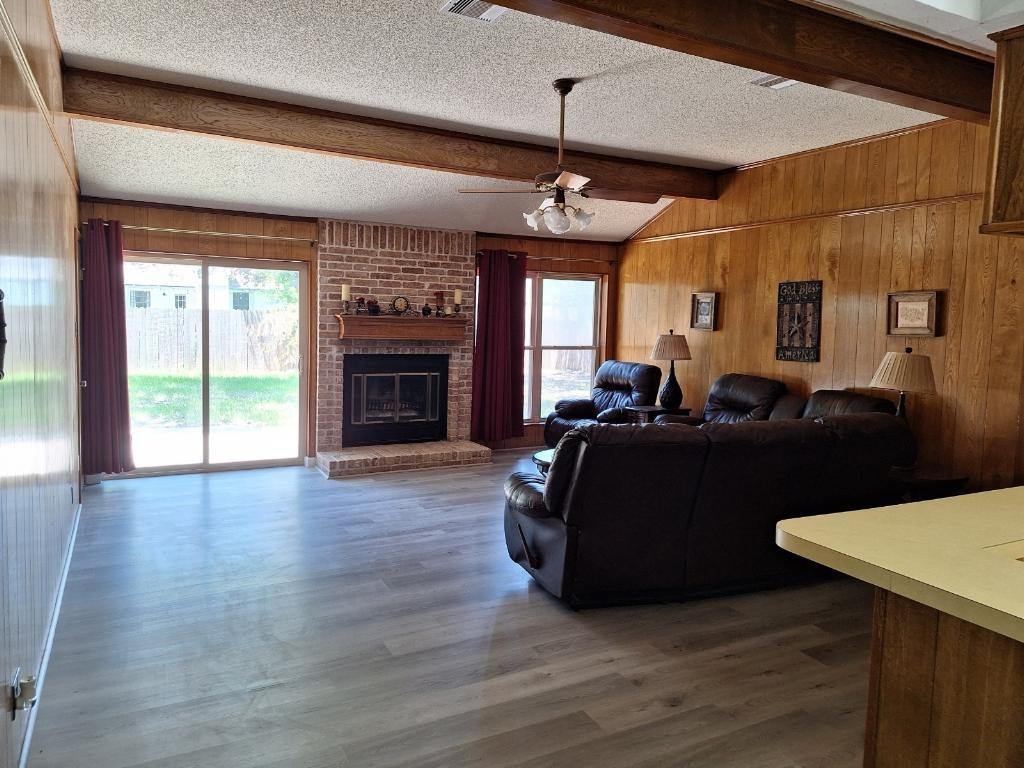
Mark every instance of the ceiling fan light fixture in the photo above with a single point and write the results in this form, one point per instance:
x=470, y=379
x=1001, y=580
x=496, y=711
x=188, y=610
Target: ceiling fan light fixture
x=533, y=219
x=583, y=218
x=556, y=220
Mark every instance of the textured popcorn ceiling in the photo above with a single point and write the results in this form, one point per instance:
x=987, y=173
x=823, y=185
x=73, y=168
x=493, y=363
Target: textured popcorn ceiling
x=405, y=60
x=165, y=167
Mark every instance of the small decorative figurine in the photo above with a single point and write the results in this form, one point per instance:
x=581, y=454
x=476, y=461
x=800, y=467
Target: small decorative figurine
x=426, y=310
x=360, y=306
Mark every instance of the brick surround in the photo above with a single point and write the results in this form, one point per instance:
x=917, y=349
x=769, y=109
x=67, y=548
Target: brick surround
x=384, y=261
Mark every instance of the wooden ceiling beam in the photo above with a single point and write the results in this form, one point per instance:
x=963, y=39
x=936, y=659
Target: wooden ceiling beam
x=794, y=40
x=129, y=101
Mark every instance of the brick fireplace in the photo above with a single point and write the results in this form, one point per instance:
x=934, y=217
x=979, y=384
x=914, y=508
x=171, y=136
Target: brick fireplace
x=384, y=261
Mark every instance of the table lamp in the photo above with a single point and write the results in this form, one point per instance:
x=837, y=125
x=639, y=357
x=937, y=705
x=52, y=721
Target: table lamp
x=905, y=372
x=671, y=347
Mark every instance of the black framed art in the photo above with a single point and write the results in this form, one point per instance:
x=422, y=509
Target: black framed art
x=798, y=333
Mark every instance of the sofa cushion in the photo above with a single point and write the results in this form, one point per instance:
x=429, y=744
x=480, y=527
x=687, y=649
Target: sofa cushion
x=838, y=402
x=555, y=427
x=524, y=493
x=867, y=446
x=737, y=397
x=631, y=502
x=756, y=473
x=619, y=383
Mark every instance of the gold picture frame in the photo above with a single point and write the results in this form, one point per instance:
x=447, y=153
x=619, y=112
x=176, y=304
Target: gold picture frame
x=914, y=313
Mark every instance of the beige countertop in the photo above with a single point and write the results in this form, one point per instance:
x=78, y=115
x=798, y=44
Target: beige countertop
x=962, y=555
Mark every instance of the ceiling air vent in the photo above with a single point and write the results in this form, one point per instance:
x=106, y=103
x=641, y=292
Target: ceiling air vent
x=474, y=9
x=773, y=82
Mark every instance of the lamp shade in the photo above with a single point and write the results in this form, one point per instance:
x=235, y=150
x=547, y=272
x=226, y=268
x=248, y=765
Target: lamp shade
x=905, y=372
x=671, y=347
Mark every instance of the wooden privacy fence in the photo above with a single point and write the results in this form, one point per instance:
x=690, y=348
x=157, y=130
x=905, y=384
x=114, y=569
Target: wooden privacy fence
x=241, y=341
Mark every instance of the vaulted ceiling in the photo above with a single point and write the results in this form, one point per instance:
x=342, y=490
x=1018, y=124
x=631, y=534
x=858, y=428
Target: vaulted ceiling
x=405, y=60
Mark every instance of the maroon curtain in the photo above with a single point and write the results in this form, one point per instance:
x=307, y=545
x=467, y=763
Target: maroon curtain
x=498, y=356
x=106, y=425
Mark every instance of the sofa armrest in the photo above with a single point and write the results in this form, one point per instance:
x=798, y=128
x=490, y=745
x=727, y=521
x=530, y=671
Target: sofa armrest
x=583, y=408
x=668, y=418
x=614, y=416
x=524, y=493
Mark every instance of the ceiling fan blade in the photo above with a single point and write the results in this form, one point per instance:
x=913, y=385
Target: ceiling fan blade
x=570, y=180
x=522, y=191
x=623, y=195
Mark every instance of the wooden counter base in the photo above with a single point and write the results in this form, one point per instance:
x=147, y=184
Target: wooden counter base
x=944, y=693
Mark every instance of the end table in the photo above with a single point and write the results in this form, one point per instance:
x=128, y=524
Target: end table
x=645, y=414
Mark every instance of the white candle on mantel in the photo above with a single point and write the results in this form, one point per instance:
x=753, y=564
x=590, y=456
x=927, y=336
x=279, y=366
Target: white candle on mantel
x=447, y=309
x=458, y=296
x=346, y=292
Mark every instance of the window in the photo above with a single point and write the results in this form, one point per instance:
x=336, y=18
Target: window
x=561, y=340
x=180, y=301
x=240, y=300
x=139, y=299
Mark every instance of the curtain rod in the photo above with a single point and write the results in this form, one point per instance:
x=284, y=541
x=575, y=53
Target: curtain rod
x=173, y=231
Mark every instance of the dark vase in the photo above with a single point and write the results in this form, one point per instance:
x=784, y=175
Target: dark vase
x=426, y=310
x=374, y=309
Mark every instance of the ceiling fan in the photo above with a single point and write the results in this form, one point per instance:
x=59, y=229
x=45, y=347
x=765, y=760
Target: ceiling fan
x=554, y=211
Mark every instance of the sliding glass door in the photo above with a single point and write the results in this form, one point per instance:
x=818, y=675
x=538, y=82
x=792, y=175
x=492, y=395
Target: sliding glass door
x=216, y=372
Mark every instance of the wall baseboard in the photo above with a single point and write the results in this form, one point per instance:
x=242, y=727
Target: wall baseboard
x=51, y=631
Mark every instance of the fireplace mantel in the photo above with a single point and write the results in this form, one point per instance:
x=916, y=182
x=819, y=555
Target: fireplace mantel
x=390, y=327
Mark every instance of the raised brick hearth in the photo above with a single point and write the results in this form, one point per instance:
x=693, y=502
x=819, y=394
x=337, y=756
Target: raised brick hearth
x=384, y=261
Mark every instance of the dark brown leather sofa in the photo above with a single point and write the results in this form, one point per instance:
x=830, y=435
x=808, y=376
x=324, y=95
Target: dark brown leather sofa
x=830, y=402
x=670, y=511
x=616, y=385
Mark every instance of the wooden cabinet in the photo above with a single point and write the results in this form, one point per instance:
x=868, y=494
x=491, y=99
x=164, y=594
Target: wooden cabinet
x=944, y=693
x=1003, y=211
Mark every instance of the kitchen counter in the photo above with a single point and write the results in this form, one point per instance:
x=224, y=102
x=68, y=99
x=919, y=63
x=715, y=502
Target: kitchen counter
x=947, y=650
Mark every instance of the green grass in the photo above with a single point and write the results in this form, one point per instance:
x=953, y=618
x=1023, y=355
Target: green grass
x=176, y=400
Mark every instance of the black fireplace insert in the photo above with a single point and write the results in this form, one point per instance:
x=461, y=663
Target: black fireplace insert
x=394, y=399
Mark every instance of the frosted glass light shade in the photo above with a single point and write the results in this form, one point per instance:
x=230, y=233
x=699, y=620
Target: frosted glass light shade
x=556, y=220
x=671, y=347
x=583, y=219
x=905, y=372
x=533, y=219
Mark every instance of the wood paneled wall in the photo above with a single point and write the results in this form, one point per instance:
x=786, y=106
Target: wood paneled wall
x=572, y=256
x=39, y=466
x=201, y=220
x=891, y=214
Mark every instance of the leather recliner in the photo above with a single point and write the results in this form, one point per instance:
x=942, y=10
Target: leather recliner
x=616, y=385
x=658, y=512
x=734, y=398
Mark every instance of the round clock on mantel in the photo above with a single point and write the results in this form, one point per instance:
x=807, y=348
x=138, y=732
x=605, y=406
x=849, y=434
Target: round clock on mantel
x=399, y=305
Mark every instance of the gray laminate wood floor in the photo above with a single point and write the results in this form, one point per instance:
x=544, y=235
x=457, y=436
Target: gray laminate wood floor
x=275, y=619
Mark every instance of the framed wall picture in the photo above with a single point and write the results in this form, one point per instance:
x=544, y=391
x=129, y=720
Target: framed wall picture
x=798, y=332
x=703, y=308
x=914, y=313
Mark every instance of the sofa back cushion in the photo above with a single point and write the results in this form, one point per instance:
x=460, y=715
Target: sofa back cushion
x=631, y=500
x=867, y=446
x=737, y=397
x=839, y=402
x=756, y=473
x=618, y=384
